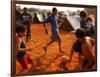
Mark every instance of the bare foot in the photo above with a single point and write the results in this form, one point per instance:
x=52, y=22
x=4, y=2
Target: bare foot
x=61, y=51
x=45, y=49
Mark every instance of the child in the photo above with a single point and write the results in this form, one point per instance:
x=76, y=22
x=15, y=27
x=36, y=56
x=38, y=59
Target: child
x=55, y=36
x=22, y=49
x=86, y=24
x=83, y=23
x=27, y=19
x=83, y=16
x=83, y=46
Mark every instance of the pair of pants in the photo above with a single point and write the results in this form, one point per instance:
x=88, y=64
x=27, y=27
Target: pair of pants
x=28, y=32
x=28, y=29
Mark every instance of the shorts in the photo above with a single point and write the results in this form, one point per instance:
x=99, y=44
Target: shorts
x=55, y=36
x=25, y=61
x=77, y=46
x=26, y=23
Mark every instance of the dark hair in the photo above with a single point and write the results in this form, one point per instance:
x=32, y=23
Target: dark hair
x=20, y=29
x=25, y=8
x=83, y=14
x=54, y=9
x=80, y=33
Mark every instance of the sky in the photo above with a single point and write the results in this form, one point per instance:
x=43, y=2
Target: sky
x=49, y=7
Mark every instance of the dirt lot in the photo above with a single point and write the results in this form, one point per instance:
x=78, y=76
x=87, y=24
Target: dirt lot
x=49, y=62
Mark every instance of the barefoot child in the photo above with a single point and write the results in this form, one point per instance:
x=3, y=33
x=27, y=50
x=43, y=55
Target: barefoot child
x=27, y=19
x=55, y=36
x=22, y=50
x=83, y=46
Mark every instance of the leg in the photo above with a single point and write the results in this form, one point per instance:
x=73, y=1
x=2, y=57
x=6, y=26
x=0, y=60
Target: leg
x=29, y=31
x=23, y=64
x=59, y=43
x=90, y=64
x=28, y=35
x=80, y=61
x=29, y=66
x=49, y=43
x=31, y=62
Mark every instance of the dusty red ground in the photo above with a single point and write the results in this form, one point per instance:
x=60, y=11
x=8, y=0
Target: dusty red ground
x=49, y=62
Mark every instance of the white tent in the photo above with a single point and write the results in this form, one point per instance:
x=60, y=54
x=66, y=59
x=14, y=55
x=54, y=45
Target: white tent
x=71, y=23
x=74, y=21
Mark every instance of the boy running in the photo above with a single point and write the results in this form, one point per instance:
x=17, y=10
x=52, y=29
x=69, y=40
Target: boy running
x=55, y=36
x=26, y=19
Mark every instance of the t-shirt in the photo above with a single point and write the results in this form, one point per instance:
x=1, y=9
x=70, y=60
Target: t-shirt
x=26, y=18
x=83, y=23
x=88, y=26
x=53, y=19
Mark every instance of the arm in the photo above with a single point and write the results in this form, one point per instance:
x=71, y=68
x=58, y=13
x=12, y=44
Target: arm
x=60, y=21
x=18, y=42
x=30, y=18
x=93, y=42
x=45, y=28
x=90, y=42
x=93, y=45
x=83, y=24
x=71, y=54
x=46, y=21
